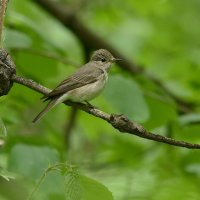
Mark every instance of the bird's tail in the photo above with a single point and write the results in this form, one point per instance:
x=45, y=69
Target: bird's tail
x=49, y=106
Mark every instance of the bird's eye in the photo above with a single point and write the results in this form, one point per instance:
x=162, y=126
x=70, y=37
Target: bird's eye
x=103, y=59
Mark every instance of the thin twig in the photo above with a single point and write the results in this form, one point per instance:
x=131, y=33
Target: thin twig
x=2, y=13
x=119, y=122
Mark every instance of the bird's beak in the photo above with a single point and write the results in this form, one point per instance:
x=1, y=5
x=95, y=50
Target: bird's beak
x=115, y=59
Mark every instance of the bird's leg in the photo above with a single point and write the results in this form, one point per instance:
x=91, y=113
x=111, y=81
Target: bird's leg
x=89, y=104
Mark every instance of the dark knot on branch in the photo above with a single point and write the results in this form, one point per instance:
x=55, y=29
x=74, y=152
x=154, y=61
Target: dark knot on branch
x=7, y=69
x=123, y=124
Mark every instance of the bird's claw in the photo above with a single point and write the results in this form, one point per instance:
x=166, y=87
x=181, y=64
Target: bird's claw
x=90, y=105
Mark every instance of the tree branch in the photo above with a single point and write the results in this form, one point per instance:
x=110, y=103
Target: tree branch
x=92, y=41
x=119, y=122
x=7, y=69
x=3, y=5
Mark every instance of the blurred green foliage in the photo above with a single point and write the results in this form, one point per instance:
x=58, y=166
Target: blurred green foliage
x=162, y=36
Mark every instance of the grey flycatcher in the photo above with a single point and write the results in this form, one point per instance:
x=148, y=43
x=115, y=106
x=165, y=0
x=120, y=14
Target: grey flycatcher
x=83, y=85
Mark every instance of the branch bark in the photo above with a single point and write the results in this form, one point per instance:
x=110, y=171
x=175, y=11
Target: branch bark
x=119, y=122
x=7, y=69
x=3, y=5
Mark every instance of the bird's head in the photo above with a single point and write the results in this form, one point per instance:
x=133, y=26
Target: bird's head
x=104, y=58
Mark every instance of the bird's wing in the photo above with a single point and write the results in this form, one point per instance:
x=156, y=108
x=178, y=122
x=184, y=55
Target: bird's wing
x=85, y=75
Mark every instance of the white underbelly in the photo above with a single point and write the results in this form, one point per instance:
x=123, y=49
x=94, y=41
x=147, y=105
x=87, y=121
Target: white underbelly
x=86, y=92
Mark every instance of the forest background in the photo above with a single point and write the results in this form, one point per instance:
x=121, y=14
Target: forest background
x=156, y=85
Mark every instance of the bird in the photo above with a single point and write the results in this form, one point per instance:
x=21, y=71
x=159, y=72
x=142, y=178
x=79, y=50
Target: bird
x=82, y=86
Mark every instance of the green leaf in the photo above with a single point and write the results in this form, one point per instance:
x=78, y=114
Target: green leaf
x=73, y=188
x=160, y=113
x=30, y=18
x=79, y=187
x=30, y=161
x=16, y=39
x=126, y=98
x=37, y=67
x=94, y=190
x=189, y=118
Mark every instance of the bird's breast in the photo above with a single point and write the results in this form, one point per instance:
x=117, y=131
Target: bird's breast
x=89, y=91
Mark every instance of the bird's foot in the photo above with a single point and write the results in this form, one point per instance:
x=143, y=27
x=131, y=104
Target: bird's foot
x=90, y=105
